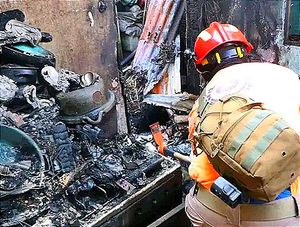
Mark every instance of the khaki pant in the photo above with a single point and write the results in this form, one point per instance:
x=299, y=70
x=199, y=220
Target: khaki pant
x=201, y=215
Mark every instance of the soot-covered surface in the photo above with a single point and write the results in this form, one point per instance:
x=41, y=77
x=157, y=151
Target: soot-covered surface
x=262, y=21
x=84, y=176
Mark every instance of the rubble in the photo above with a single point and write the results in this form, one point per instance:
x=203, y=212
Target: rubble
x=133, y=88
x=17, y=31
x=65, y=158
x=66, y=80
x=8, y=88
x=102, y=170
x=8, y=15
x=12, y=118
x=76, y=170
x=51, y=76
x=29, y=92
x=180, y=102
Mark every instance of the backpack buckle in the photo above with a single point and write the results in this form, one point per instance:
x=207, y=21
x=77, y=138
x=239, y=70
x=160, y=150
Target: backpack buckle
x=215, y=149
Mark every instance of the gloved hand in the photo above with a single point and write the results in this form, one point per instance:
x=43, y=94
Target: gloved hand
x=203, y=171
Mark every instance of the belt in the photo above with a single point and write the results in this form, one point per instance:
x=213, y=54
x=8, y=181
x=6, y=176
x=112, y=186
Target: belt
x=275, y=210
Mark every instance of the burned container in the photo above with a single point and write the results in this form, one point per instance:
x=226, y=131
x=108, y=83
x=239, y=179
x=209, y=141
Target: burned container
x=94, y=104
x=20, y=156
x=26, y=55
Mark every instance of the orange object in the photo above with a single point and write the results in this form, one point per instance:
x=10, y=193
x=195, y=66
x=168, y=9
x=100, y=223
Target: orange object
x=159, y=140
x=158, y=137
x=162, y=86
x=192, y=122
x=215, y=35
x=295, y=187
x=202, y=171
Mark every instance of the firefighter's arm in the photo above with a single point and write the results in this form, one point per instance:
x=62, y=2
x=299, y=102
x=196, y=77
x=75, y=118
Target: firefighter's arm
x=295, y=187
x=202, y=171
x=200, y=168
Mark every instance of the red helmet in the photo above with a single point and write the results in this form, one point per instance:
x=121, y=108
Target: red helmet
x=215, y=35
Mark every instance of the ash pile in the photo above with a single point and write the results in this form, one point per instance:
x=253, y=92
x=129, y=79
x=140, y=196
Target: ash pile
x=61, y=161
x=77, y=177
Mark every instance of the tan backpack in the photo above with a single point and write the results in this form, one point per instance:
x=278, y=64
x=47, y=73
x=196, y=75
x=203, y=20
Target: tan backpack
x=250, y=144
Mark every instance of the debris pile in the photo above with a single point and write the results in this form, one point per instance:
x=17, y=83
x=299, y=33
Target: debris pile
x=68, y=168
x=155, y=61
x=83, y=173
x=77, y=169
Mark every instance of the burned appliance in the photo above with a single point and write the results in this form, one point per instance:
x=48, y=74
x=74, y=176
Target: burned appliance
x=87, y=104
x=147, y=204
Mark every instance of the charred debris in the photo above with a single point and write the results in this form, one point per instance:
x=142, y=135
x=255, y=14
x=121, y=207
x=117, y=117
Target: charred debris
x=61, y=159
x=151, y=67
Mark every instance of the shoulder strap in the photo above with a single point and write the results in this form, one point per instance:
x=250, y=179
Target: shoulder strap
x=203, y=104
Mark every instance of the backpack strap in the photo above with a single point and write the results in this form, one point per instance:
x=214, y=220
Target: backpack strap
x=203, y=104
x=246, y=132
x=221, y=108
x=262, y=144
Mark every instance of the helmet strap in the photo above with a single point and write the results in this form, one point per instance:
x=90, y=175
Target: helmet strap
x=223, y=54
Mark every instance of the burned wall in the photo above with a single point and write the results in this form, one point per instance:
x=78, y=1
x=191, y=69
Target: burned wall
x=84, y=37
x=80, y=43
x=262, y=21
x=193, y=20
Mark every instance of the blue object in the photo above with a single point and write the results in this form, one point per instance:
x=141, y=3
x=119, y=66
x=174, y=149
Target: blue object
x=286, y=193
x=294, y=18
x=13, y=142
x=34, y=50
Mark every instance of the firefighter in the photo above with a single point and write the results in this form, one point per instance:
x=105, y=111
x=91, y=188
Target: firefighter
x=224, y=58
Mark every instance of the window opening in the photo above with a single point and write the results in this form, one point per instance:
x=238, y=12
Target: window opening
x=292, y=28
